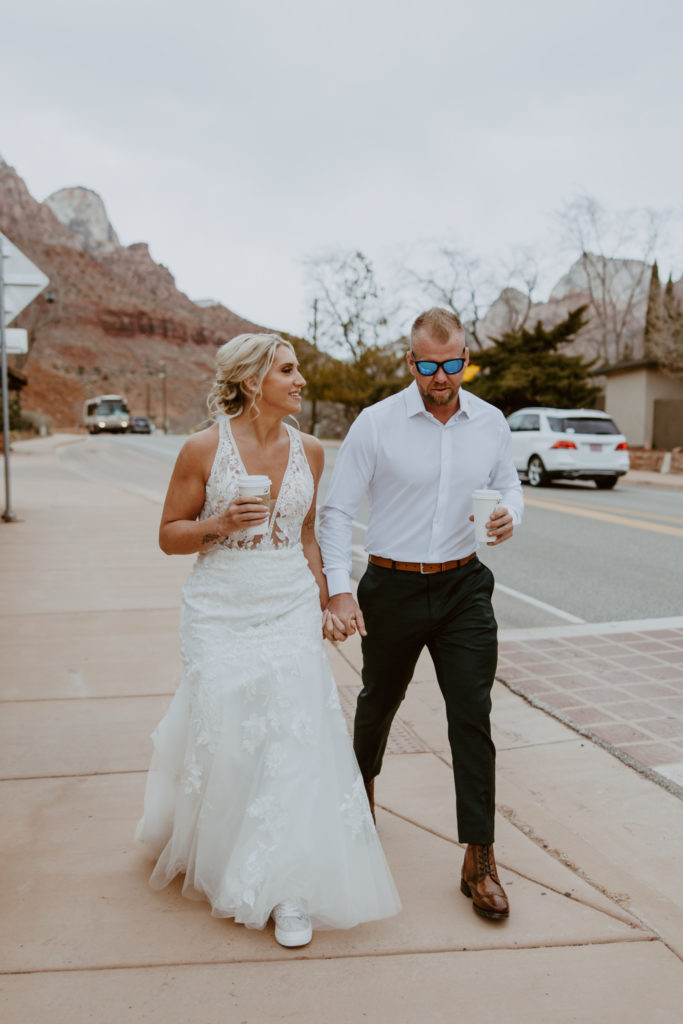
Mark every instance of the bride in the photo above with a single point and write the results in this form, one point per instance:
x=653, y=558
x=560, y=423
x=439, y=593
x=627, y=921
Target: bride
x=253, y=792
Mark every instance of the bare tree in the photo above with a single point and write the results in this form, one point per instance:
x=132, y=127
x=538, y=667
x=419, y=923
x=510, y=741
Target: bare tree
x=522, y=274
x=616, y=252
x=455, y=279
x=350, y=310
x=351, y=319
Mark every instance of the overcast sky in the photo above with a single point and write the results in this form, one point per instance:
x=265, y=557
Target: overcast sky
x=238, y=138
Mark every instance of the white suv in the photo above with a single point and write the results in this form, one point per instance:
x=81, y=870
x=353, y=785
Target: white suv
x=579, y=444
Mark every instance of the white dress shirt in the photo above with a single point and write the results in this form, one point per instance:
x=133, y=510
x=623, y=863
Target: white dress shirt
x=419, y=475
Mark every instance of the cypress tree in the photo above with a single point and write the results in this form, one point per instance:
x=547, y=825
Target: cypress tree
x=670, y=352
x=653, y=316
x=671, y=308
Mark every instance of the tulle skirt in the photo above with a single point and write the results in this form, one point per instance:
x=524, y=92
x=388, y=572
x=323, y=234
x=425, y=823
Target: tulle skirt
x=254, y=793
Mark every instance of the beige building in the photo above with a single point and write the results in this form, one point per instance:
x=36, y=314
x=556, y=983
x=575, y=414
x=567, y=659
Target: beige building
x=646, y=403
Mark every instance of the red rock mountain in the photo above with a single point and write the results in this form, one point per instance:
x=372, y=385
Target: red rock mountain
x=111, y=319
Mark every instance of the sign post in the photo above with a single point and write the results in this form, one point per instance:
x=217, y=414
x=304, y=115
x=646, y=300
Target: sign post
x=8, y=514
x=20, y=282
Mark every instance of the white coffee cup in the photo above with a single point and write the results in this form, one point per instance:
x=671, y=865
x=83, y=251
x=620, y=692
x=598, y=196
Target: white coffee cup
x=258, y=488
x=483, y=503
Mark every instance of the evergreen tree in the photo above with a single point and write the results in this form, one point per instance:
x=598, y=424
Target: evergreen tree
x=670, y=345
x=379, y=371
x=653, y=316
x=670, y=305
x=524, y=367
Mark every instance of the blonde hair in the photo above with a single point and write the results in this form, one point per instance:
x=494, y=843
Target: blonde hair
x=244, y=357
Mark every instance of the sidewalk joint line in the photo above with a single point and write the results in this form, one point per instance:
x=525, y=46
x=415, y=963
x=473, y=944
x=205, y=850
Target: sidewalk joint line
x=535, y=746
x=270, y=960
x=85, y=697
x=73, y=775
x=529, y=834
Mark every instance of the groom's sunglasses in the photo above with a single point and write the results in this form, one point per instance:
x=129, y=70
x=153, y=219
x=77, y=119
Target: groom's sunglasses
x=428, y=367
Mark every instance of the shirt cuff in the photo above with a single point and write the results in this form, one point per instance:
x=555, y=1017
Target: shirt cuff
x=516, y=516
x=338, y=581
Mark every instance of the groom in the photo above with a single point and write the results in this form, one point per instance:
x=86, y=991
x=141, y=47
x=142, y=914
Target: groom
x=419, y=455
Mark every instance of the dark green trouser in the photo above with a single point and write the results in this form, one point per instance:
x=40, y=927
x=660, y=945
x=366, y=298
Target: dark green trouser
x=450, y=613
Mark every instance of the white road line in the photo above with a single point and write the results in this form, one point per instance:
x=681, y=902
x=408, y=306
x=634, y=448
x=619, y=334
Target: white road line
x=670, y=771
x=539, y=604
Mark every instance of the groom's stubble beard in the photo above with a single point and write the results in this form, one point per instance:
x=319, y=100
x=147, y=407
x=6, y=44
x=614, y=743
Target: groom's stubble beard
x=439, y=398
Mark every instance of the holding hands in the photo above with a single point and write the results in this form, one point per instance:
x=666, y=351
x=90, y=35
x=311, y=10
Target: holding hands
x=342, y=618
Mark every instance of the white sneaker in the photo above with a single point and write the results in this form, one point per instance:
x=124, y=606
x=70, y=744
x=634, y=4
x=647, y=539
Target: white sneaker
x=292, y=924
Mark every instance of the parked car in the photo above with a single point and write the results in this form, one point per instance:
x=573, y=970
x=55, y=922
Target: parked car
x=141, y=425
x=574, y=444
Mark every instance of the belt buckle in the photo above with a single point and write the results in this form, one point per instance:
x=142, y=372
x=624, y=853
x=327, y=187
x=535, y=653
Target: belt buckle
x=428, y=572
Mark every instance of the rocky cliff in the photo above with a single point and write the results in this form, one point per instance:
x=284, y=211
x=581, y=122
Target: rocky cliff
x=111, y=320
x=615, y=292
x=82, y=211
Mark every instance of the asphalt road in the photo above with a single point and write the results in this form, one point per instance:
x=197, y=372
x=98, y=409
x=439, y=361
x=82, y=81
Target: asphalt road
x=580, y=555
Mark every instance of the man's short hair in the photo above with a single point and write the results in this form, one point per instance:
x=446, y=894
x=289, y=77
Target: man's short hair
x=439, y=322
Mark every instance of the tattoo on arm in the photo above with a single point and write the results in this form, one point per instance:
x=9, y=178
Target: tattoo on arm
x=309, y=521
x=209, y=538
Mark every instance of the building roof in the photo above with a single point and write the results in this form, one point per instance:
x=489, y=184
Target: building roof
x=625, y=367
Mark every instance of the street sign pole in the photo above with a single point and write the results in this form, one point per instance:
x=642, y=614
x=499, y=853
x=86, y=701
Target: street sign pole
x=8, y=514
x=20, y=282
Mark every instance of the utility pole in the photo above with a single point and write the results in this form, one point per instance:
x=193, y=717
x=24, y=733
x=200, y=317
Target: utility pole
x=162, y=374
x=20, y=282
x=8, y=514
x=314, y=401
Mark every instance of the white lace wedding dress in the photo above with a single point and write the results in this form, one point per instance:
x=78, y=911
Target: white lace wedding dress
x=253, y=791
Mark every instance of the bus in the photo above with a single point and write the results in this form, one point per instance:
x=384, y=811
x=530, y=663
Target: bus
x=106, y=412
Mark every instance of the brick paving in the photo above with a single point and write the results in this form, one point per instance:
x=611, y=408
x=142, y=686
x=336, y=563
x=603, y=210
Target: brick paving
x=624, y=690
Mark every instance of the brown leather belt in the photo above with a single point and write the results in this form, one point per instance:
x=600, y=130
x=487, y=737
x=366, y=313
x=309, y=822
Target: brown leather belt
x=426, y=568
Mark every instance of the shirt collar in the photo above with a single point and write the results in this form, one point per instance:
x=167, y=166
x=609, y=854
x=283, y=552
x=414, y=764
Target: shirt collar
x=415, y=405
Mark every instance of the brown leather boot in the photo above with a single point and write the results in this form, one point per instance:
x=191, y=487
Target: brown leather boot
x=480, y=882
x=370, y=790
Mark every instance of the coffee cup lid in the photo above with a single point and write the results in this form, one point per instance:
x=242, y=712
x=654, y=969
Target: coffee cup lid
x=254, y=479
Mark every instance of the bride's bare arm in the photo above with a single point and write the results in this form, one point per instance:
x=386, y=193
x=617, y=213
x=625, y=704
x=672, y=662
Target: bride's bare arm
x=316, y=460
x=180, y=532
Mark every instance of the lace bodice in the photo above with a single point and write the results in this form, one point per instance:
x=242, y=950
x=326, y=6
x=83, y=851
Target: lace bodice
x=286, y=513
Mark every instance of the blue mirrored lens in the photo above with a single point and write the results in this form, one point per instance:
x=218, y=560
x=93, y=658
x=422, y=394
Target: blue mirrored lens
x=428, y=368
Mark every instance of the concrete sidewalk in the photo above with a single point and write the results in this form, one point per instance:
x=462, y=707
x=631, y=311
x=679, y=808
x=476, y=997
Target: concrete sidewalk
x=650, y=479
x=589, y=849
